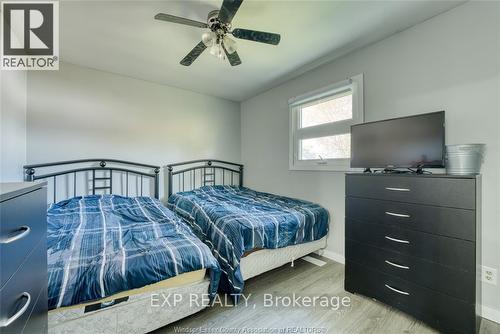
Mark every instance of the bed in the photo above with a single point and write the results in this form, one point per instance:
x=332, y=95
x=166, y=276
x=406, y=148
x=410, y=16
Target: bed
x=113, y=256
x=249, y=232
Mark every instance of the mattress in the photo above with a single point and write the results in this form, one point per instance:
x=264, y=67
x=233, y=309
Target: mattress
x=103, y=245
x=233, y=221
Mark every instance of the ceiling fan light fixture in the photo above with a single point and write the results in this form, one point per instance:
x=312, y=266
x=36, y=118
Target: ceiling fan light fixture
x=217, y=51
x=230, y=45
x=209, y=38
x=221, y=55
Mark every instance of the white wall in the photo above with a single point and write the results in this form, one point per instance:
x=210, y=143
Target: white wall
x=450, y=62
x=12, y=125
x=77, y=113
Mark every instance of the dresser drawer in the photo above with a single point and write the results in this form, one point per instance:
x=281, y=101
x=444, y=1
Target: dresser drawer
x=451, y=222
x=444, y=250
x=415, y=270
x=437, y=191
x=23, y=223
x=37, y=322
x=20, y=293
x=443, y=312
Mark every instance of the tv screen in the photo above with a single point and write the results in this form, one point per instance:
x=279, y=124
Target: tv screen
x=414, y=141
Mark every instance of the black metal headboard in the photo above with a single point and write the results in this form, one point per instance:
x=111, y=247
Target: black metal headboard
x=197, y=173
x=97, y=176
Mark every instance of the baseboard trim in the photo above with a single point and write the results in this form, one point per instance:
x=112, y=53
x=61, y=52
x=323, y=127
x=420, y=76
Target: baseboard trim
x=490, y=314
x=333, y=256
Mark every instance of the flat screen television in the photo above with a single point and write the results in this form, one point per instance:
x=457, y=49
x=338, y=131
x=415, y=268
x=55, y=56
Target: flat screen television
x=414, y=141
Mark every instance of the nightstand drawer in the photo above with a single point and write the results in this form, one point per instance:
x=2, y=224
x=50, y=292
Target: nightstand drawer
x=448, y=192
x=415, y=270
x=18, y=297
x=444, y=250
x=23, y=224
x=451, y=222
x=449, y=314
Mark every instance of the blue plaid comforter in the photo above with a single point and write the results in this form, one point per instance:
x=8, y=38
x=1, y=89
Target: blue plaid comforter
x=232, y=220
x=100, y=245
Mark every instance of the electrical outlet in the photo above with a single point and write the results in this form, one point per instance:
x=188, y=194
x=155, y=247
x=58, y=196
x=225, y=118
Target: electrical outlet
x=489, y=275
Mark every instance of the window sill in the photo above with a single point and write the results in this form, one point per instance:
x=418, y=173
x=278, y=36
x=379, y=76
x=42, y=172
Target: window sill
x=325, y=168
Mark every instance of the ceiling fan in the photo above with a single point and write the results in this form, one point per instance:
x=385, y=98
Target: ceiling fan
x=219, y=23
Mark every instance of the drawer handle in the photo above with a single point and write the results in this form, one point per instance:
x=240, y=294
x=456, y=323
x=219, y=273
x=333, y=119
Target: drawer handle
x=397, y=214
x=397, y=240
x=18, y=313
x=396, y=265
x=396, y=290
x=397, y=189
x=22, y=232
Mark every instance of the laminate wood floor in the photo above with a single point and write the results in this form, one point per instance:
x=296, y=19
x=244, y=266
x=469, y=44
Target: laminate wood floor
x=363, y=315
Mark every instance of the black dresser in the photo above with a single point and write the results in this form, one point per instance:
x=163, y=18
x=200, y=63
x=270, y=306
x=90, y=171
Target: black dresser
x=411, y=242
x=23, y=258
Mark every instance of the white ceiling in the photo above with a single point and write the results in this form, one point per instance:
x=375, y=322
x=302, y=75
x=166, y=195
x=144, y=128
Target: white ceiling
x=122, y=37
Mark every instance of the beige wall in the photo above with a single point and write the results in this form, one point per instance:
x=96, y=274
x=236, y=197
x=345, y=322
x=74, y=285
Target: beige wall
x=77, y=113
x=450, y=62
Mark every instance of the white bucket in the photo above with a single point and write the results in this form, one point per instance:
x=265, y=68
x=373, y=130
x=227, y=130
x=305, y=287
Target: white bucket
x=464, y=159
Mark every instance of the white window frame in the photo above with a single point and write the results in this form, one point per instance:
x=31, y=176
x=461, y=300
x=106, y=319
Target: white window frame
x=355, y=85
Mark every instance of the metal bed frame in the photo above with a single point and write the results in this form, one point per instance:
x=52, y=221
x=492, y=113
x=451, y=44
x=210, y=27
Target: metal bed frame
x=207, y=174
x=261, y=260
x=96, y=166
x=97, y=176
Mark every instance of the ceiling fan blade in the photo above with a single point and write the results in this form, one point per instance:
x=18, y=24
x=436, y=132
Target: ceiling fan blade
x=180, y=20
x=233, y=58
x=193, y=54
x=228, y=10
x=257, y=36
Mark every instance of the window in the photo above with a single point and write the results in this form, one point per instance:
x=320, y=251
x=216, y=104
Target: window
x=320, y=124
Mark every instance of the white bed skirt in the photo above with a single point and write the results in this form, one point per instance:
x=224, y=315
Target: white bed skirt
x=137, y=315
x=264, y=260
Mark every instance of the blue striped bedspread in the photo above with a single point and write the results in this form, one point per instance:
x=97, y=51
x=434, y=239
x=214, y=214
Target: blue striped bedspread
x=100, y=245
x=233, y=220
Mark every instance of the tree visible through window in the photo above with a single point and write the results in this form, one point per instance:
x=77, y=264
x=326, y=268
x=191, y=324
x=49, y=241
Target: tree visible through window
x=330, y=147
x=334, y=109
